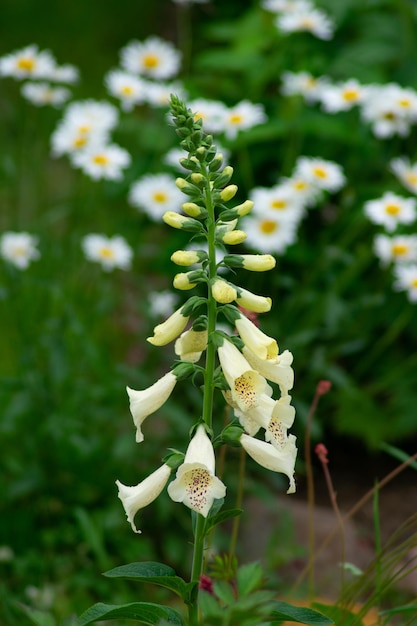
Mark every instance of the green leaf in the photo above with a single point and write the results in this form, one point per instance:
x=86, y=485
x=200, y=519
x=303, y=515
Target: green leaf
x=407, y=608
x=339, y=615
x=151, y=572
x=283, y=611
x=221, y=517
x=249, y=578
x=144, y=612
x=224, y=591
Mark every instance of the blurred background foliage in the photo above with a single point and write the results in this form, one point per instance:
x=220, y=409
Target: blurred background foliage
x=72, y=336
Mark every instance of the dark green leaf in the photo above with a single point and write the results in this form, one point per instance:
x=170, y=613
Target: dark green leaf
x=144, y=612
x=151, y=572
x=283, y=611
x=40, y=618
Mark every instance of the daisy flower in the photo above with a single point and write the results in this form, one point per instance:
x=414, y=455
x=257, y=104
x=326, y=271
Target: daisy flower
x=391, y=210
x=129, y=89
x=155, y=194
x=303, y=84
x=399, y=249
x=242, y=116
x=406, y=280
x=153, y=58
x=110, y=252
x=41, y=94
x=162, y=303
x=306, y=19
x=269, y=234
x=281, y=200
x=286, y=6
x=28, y=62
x=92, y=115
x=19, y=249
x=64, y=74
x=390, y=109
x=326, y=175
x=342, y=96
x=305, y=191
x=211, y=112
x=158, y=94
x=105, y=161
x=405, y=172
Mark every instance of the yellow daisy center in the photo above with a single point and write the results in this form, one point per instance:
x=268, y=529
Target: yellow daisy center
x=84, y=129
x=389, y=115
x=127, y=90
x=20, y=251
x=100, y=159
x=235, y=119
x=311, y=82
x=398, y=249
x=268, y=226
x=106, y=253
x=320, y=172
x=392, y=209
x=160, y=196
x=411, y=177
x=199, y=116
x=26, y=63
x=414, y=283
x=307, y=23
x=79, y=142
x=404, y=103
x=350, y=94
x=150, y=61
x=278, y=204
x=300, y=185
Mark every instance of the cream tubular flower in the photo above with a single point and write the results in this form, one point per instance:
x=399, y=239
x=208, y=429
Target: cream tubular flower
x=147, y=401
x=190, y=345
x=195, y=484
x=223, y=292
x=277, y=460
x=246, y=385
x=253, y=302
x=136, y=498
x=169, y=330
x=263, y=346
x=278, y=369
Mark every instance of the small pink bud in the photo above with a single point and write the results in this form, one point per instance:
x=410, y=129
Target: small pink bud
x=323, y=387
x=322, y=452
x=206, y=583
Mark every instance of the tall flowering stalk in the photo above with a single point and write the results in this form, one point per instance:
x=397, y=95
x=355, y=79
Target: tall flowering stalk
x=238, y=366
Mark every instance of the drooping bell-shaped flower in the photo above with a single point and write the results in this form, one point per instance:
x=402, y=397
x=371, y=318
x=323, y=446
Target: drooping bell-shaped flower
x=277, y=369
x=147, y=401
x=139, y=496
x=253, y=302
x=191, y=344
x=170, y=329
x=258, y=342
x=246, y=384
x=275, y=459
x=276, y=422
x=195, y=484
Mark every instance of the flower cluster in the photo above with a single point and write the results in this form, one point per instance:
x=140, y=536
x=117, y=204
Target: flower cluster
x=394, y=213
x=278, y=210
x=20, y=249
x=300, y=16
x=249, y=360
x=84, y=135
x=389, y=109
x=32, y=65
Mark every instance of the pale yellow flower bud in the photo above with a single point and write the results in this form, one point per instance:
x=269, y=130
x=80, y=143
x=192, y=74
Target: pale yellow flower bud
x=185, y=257
x=234, y=237
x=197, y=178
x=176, y=220
x=192, y=209
x=253, y=262
x=253, y=302
x=228, y=192
x=223, y=292
x=182, y=282
x=244, y=208
x=169, y=330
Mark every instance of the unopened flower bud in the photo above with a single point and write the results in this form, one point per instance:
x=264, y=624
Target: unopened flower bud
x=176, y=220
x=253, y=302
x=228, y=192
x=187, y=188
x=252, y=262
x=182, y=282
x=222, y=178
x=198, y=179
x=193, y=210
x=234, y=237
x=188, y=257
x=216, y=162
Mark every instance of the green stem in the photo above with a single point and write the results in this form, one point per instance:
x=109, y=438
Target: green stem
x=199, y=534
